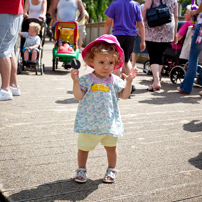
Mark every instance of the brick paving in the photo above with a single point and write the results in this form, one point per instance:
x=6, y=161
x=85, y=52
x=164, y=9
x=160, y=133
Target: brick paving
x=159, y=157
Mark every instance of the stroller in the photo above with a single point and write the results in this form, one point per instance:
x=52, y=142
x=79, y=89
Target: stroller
x=178, y=70
x=37, y=66
x=66, y=45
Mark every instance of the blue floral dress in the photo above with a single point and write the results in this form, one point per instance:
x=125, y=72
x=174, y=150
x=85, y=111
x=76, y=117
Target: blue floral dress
x=98, y=111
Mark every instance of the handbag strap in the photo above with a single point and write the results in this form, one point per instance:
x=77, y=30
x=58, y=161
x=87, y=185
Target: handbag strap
x=162, y=2
x=192, y=2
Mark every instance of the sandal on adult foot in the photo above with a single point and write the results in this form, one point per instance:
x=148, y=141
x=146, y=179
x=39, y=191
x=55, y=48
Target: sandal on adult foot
x=152, y=89
x=110, y=175
x=81, y=173
x=182, y=91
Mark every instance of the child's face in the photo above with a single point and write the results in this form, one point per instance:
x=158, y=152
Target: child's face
x=187, y=15
x=32, y=31
x=103, y=64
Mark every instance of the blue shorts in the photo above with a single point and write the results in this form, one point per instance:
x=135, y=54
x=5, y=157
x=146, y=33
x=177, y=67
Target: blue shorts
x=10, y=26
x=137, y=45
x=30, y=51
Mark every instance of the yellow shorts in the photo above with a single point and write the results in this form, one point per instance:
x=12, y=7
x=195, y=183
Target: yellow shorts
x=87, y=142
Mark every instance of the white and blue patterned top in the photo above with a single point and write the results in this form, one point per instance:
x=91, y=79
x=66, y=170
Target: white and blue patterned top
x=98, y=111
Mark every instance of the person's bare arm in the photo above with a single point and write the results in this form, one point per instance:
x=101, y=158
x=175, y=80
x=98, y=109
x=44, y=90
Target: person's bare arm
x=147, y=5
x=176, y=23
x=53, y=8
x=44, y=8
x=178, y=37
x=81, y=10
x=108, y=24
x=77, y=91
x=20, y=34
x=25, y=10
x=34, y=46
x=86, y=17
x=142, y=35
x=197, y=11
x=124, y=94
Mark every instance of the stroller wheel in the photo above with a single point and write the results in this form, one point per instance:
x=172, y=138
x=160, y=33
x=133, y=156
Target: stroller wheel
x=53, y=65
x=177, y=75
x=147, y=67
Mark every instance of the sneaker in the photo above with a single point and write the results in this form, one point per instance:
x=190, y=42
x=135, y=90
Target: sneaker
x=15, y=91
x=5, y=95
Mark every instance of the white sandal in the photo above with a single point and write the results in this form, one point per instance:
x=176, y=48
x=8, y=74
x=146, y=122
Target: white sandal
x=81, y=172
x=111, y=172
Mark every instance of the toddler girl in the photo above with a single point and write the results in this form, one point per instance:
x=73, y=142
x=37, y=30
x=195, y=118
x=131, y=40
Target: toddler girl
x=98, y=118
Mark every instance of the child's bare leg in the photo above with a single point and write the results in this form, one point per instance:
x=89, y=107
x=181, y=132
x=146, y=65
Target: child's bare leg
x=112, y=157
x=82, y=159
x=34, y=55
x=26, y=55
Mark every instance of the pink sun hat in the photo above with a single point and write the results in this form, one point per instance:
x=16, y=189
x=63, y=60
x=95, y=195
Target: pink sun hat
x=109, y=39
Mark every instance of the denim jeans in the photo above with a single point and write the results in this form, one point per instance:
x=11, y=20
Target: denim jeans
x=195, y=50
x=199, y=79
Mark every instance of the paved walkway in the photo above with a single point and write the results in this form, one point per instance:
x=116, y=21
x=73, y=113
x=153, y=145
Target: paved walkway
x=159, y=157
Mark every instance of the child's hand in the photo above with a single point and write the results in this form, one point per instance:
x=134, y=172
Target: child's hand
x=30, y=47
x=133, y=73
x=75, y=75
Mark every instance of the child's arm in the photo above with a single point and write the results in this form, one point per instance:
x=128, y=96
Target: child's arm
x=77, y=91
x=20, y=33
x=26, y=8
x=124, y=94
x=35, y=46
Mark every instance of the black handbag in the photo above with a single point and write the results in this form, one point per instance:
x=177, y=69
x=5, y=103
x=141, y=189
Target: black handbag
x=159, y=15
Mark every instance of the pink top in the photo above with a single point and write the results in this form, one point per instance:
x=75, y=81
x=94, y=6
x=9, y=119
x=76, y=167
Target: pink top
x=182, y=31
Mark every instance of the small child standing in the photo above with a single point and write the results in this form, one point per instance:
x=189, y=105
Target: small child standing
x=98, y=118
x=32, y=42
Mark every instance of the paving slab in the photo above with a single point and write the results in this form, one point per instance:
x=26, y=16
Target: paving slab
x=159, y=156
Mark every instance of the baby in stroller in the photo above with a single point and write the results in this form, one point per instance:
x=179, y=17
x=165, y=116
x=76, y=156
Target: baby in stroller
x=32, y=43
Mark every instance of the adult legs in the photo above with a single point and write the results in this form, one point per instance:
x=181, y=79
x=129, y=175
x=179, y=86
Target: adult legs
x=134, y=59
x=5, y=70
x=156, y=70
x=13, y=77
x=199, y=79
x=195, y=50
x=80, y=42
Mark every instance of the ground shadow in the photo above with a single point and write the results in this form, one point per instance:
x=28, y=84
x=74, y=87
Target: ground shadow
x=197, y=161
x=67, y=101
x=67, y=190
x=168, y=94
x=193, y=126
x=61, y=71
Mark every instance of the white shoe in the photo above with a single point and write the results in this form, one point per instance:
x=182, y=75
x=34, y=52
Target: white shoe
x=15, y=91
x=5, y=95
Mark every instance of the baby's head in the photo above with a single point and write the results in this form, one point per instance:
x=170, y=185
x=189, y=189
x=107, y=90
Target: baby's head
x=106, y=45
x=34, y=28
